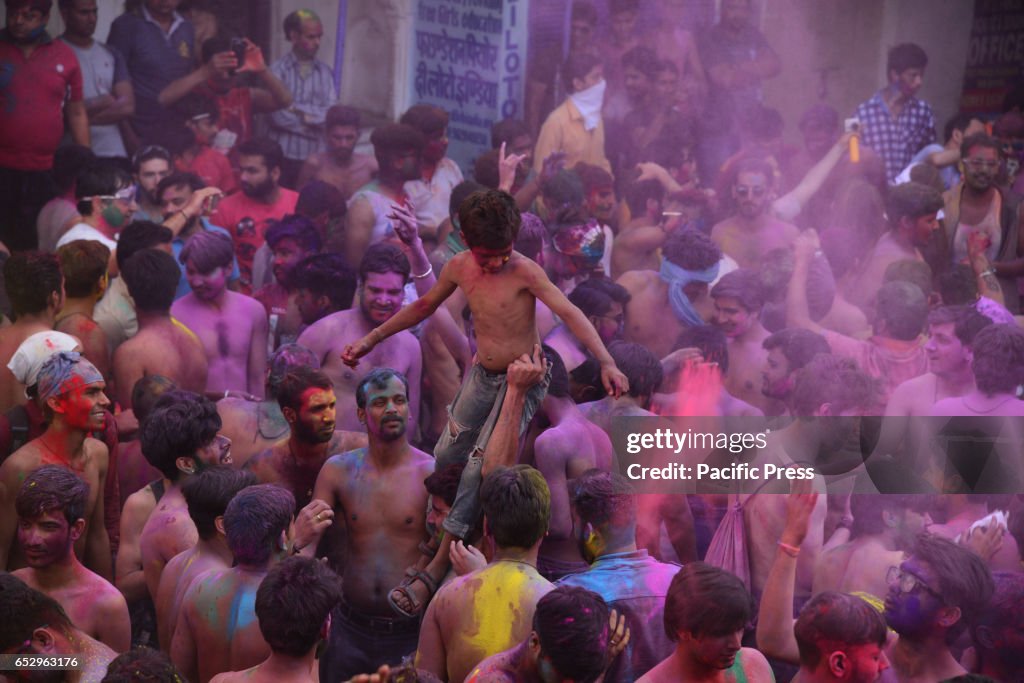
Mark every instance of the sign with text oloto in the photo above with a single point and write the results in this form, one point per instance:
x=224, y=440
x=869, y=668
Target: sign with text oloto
x=469, y=58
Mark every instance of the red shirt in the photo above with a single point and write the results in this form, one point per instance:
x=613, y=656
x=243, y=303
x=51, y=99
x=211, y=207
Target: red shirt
x=213, y=168
x=246, y=219
x=235, y=109
x=32, y=94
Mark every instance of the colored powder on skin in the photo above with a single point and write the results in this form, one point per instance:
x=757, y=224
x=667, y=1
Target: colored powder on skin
x=242, y=612
x=491, y=606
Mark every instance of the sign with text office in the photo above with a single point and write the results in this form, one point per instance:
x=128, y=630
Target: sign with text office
x=469, y=58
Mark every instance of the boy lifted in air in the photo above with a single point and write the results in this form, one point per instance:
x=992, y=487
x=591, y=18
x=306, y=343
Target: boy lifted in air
x=501, y=286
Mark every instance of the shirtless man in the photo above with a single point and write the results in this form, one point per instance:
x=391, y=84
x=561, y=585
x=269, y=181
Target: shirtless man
x=787, y=351
x=998, y=367
x=207, y=495
x=885, y=526
x=911, y=209
x=603, y=302
x=738, y=302
x=491, y=610
x=35, y=625
x=306, y=397
x=378, y=492
x=937, y=591
x=84, y=266
x=567, y=448
x=663, y=304
x=179, y=439
x=50, y=505
x=71, y=389
x=293, y=641
x=706, y=611
x=162, y=345
x=231, y=326
x=217, y=629
x=570, y=628
x=383, y=273
x=752, y=232
x=962, y=510
x=951, y=333
x=35, y=288
x=502, y=287
x=340, y=165
x=254, y=426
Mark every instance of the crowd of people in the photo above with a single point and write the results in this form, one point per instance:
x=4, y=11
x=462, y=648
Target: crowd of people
x=274, y=409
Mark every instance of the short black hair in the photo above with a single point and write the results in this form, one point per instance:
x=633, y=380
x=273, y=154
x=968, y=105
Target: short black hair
x=179, y=179
x=639, y=365
x=147, y=391
x=208, y=493
x=516, y=504
x=428, y=119
x=596, y=296
x=979, y=140
x=711, y=341
x=378, y=379
x=559, y=386
x=327, y=275
x=49, y=488
x=181, y=424
x=152, y=278
x=444, y=482
x=604, y=499
x=295, y=227
x=30, y=277
x=490, y=219
x=798, y=345
x=691, y=249
x=904, y=309
x=571, y=624
x=23, y=609
x=392, y=140
x=706, y=600
x=744, y=285
x=148, y=153
x=68, y=161
x=905, y=56
x=295, y=382
x=508, y=130
x=84, y=263
x=269, y=150
x=304, y=589
x=911, y=200
x=142, y=665
x=254, y=521
x=384, y=257
x=102, y=178
x=317, y=198
x=340, y=115
x=836, y=620
x=643, y=59
x=963, y=578
x=578, y=65
x=139, y=235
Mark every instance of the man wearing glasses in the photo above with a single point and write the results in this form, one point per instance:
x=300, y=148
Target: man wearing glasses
x=106, y=200
x=978, y=205
x=751, y=232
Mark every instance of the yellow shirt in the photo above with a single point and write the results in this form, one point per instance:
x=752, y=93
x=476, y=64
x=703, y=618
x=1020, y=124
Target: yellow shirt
x=564, y=132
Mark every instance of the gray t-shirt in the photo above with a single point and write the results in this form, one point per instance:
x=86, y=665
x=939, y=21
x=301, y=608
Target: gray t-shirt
x=102, y=67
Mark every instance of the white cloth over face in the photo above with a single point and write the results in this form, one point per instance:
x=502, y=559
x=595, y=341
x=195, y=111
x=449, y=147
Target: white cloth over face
x=36, y=350
x=589, y=103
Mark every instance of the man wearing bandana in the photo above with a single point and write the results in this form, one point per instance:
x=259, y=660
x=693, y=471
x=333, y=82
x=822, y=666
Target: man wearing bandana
x=690, y=263
x=71, y=390
x=576, y=128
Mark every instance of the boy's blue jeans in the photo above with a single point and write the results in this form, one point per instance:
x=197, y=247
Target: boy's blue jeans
x=471, y=419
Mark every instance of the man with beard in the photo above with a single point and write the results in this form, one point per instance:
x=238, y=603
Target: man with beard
x=706, y=610
x=788, y=350
x=161, y=346
x=841, y=638
x=340, y=165
x=246, y=214
x=752, y=231
x=50, y=506
x=150, y=165
x=72, y=392
x=306, y=397
x=830, y=395
x=398, y=149
x=231, y=326
x=383, y=274
x=979, y=205
x=999, y=633
x=911, y=210
x=289, y=241
x=173, y=194
x=738, y=302
x=603, y=302
x=378, y=491
x=42, y=91
x=429, y=193
x=180, y=439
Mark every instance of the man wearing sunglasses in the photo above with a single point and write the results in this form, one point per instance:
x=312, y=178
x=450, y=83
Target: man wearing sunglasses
x=106, y=200
x=751, y=232
x=979, y=205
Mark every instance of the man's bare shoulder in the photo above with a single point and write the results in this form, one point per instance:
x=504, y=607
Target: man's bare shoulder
x=343, y=465
x=21, y=461
x=140, y=504
x=246, y=305
x=321, y=333
x=422, y=459
x=637, y=280
x=236, y=408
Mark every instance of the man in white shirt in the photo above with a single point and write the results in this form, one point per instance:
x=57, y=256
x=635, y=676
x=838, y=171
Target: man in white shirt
x=106, y=201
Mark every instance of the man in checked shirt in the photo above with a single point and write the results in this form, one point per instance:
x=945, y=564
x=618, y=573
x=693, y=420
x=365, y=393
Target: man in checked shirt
x=894, y=122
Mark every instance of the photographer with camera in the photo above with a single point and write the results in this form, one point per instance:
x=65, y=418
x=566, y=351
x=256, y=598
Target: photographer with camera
x=221, y=79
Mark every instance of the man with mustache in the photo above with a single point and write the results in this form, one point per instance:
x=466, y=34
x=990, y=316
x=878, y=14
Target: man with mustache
x=72, y=392
x=307, y=401
x=378, y=491
x=247, y=214
x=383, y=274
x=979, y=205
x=752, y=231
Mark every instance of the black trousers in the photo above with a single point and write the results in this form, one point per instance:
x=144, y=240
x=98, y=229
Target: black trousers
x=22, y=195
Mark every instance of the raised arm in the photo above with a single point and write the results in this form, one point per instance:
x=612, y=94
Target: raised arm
x=541, y=287
x=274, y=94
x=798, y=314
x=789, y=205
